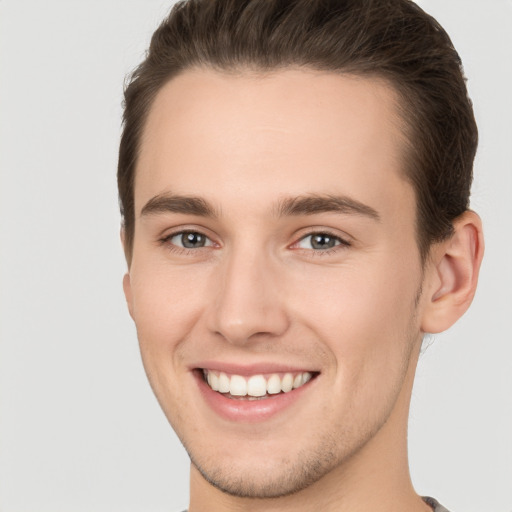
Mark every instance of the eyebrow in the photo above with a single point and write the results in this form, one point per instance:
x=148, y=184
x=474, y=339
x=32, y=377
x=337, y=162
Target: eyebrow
x=290, y=206
x=172, y=203
x=313, y=204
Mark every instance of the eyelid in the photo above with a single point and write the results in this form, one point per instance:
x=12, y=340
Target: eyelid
x=344, y=240
x=165, y=239
x=185, y=228
x=208, y=243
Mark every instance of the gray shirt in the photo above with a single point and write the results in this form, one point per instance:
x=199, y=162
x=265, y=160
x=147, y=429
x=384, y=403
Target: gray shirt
x=429, y=501
x=434, y=504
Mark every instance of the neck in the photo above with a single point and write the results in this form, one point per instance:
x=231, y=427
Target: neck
x=376, y=478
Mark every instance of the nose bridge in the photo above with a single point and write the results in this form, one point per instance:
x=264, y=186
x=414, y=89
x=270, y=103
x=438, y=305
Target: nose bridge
x=248, y=302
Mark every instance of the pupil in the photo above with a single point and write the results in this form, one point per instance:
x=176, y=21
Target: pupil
x=192, y=240
x=322, y=242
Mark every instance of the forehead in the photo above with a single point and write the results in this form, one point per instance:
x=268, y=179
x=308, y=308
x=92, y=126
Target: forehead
x=237, y=136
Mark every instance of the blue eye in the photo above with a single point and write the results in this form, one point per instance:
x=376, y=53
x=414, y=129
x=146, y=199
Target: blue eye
x=190, y=240
x=320, y=242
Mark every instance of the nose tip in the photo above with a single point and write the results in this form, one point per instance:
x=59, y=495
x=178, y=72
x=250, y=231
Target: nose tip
x=241, y=330
x=249, y=305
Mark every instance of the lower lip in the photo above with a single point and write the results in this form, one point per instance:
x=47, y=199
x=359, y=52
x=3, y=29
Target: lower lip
x=249, y=411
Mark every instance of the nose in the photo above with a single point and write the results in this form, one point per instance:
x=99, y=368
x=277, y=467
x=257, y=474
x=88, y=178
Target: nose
x=249, y=304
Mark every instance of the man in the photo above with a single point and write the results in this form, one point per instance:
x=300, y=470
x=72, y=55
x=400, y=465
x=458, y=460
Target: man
x=294, y=182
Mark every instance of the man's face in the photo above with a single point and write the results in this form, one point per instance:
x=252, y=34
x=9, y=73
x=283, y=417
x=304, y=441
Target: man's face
x=275, y=243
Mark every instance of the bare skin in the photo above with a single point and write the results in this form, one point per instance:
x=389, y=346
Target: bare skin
x=274, y=229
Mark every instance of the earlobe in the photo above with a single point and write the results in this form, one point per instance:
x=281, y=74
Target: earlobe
x=454, y=276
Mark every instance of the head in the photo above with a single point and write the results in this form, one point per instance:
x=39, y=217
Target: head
x=294, y=181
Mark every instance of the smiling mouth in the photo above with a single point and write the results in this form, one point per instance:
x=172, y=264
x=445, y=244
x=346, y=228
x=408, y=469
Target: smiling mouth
x=255, y=387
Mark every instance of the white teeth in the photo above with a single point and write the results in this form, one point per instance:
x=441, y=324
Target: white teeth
x=238, y=386
x=298, y=381
x=223, y=382
x=274, y=385
x=287, y=383
x=213, y=380
x=256, y=385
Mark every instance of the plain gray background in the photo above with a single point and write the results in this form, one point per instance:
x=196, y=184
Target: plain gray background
x=79, y=427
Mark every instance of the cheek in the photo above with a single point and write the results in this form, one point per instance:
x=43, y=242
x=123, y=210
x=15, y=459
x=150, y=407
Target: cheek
x=365, y=316
x=166, y=307
x=358, y=298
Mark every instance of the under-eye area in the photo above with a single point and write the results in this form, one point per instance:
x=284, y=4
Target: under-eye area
x=255, y=387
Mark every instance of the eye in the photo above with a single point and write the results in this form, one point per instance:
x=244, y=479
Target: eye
x=189, y=240
x=320, y=242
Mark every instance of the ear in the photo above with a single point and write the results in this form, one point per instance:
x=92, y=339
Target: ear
x=453, y=275
x=127, y=286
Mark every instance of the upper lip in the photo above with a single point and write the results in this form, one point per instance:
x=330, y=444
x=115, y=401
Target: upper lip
x=251, y=369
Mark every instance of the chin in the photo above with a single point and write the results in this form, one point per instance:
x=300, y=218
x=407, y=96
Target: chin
x=277, y=469
x=275, y=479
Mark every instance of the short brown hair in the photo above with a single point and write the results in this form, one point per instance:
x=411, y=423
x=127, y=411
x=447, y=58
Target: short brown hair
x=390, y=39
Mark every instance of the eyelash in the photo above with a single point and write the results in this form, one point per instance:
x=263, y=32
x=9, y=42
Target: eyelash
x=342, y=243
x=166, y=241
